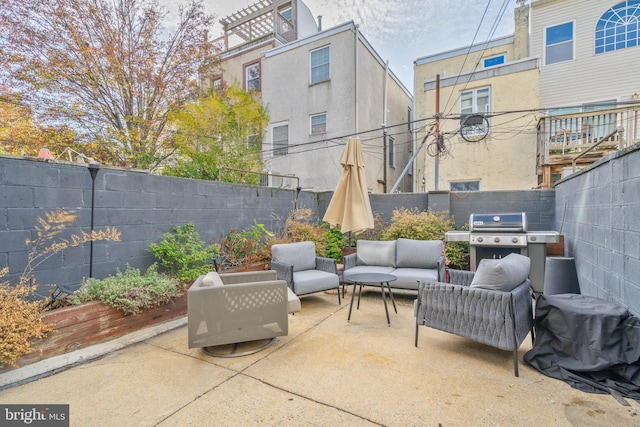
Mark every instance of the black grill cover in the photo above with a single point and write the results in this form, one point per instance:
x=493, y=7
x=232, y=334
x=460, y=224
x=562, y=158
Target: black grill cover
x=592, y=344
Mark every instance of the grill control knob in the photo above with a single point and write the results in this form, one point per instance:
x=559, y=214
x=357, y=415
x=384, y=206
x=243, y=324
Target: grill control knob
x=514, y=240
x=496, y=239
x=480, y=239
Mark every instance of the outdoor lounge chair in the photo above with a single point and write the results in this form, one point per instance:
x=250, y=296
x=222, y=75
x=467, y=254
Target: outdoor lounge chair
x=304, y=272
x=492, y=306
x=238, y=307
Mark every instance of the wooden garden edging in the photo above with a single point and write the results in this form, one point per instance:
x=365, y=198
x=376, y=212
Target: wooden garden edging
x=91, y=323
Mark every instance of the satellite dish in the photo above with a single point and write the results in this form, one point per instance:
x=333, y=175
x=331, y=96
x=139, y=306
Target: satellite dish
x=474, y=127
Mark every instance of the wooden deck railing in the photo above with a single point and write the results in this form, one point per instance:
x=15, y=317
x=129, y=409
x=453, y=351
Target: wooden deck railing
x=584, y=138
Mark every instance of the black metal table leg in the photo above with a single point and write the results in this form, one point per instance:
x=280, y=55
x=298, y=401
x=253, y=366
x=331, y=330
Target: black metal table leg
x=393, y=300
x=384, y=300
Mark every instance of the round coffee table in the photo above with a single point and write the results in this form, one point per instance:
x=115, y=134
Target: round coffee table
x=373, y=279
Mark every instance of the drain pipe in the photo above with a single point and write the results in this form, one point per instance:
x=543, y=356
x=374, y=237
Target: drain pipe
x=355, y=90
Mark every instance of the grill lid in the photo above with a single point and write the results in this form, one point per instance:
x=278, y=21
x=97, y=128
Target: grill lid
x=505, y=223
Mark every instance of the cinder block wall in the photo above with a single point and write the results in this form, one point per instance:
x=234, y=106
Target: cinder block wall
x=144, y=206
x=140, y=205
x=598, y=211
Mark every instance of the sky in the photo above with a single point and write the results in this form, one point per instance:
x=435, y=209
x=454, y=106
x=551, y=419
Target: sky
x=401, y=31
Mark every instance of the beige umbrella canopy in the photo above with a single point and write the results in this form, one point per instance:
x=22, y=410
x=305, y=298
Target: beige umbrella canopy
x=350, y=206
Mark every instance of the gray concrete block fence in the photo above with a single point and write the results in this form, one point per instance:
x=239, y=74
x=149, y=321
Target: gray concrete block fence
x=597, y=210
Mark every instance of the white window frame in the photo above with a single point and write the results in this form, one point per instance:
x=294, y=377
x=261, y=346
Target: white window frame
x=247, y=78
x=573, y=43
x=313, y=67
x=280, y=146
x=320, y=127
x=392, y=151
x=474, y=106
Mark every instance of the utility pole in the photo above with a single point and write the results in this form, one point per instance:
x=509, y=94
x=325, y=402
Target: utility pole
x=437, y=116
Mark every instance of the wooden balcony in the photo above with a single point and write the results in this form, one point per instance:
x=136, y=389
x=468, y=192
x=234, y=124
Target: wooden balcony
x=568, y=142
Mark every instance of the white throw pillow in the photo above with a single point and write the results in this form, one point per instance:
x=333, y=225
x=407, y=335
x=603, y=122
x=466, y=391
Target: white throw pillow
x=502, y=274
x=211, y=279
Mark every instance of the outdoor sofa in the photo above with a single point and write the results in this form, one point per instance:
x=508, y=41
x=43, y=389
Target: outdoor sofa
x=411, y=261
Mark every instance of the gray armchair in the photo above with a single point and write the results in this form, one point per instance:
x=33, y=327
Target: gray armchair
x=497, y=312
x=238, y=307
x=304, y=272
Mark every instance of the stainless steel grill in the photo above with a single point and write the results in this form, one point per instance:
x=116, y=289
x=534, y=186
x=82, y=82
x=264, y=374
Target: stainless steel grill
x=498, y=235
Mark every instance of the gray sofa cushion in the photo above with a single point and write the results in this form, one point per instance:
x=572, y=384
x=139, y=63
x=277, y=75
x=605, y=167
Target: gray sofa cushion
x=373, y=252
x=418, y=253
x=502, y=274
x=301, y=255
x=408, y=278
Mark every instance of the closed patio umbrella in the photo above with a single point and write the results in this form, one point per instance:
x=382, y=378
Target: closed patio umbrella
x=350, y=206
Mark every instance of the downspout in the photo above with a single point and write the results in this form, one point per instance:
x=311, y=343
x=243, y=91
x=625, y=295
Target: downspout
x=384, y=126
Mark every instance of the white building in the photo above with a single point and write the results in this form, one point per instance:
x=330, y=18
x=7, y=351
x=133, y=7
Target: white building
x=320, y=86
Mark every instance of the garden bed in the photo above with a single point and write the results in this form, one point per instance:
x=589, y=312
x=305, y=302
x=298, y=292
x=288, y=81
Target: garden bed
x=91, y=323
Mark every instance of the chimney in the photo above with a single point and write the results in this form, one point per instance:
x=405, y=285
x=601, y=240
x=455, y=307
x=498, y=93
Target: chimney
x=319, y=23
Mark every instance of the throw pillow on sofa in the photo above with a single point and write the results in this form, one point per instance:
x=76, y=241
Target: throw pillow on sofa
x=374, y=252
x=502, y=274
x=418, y=253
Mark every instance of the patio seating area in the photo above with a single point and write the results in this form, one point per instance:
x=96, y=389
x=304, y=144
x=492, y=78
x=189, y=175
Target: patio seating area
x=326, y=371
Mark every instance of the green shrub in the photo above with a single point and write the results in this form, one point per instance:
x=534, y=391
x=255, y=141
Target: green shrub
x=130, y=291
x=183, y=254
x=335, y=242
x=412, y=224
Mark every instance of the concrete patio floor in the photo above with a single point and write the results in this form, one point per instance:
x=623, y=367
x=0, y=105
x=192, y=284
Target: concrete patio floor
x=325, y=372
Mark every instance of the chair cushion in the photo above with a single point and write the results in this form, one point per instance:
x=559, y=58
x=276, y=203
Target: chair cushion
x=310, y=281
x=502, y=274
x=293, y=302
x=418, y=253
x=373, y=252
x=211, y=279
x=408, y=278
x=302, y=255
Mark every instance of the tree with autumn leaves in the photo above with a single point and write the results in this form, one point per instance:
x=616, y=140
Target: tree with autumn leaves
x=104, y=69
x=221, y=130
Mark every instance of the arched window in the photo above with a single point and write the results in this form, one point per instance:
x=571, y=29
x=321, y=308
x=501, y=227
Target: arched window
x=619, y=27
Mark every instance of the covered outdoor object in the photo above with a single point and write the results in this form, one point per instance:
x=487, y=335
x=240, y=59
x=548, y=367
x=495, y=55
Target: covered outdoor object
x=350, y=206
x=590, y=343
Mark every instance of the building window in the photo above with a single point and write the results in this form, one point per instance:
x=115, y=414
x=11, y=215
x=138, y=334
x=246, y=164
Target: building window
x=619, y=27
x=287, y=14
x=558, y=43
x=409, y=119
x=320, y=65
x=318, y=124
x=252, y=77
x=254, y=141
x=493, y=61
x=476, y=101
x=216, y=83
x=281, y=140
x=392, y=151
x=464, y=186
